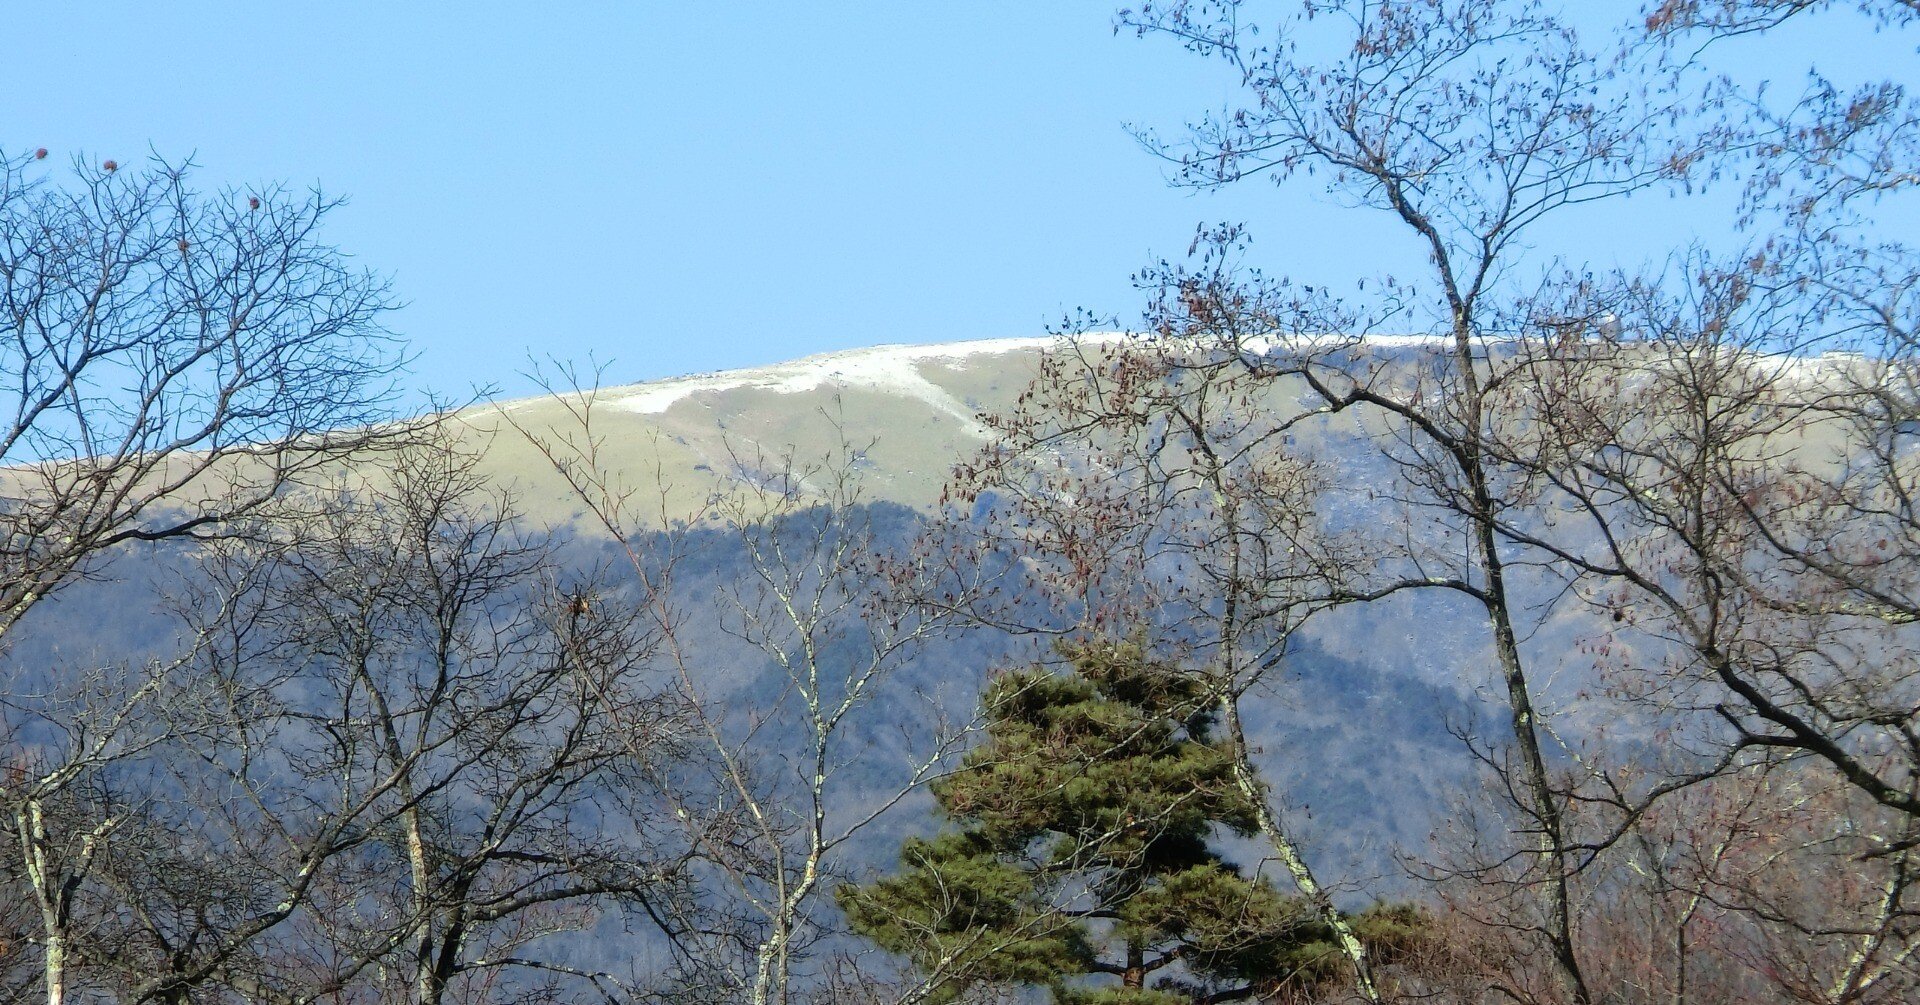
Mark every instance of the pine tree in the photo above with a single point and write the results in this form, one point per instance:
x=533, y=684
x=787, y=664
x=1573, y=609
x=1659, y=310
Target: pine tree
x=1080, y=856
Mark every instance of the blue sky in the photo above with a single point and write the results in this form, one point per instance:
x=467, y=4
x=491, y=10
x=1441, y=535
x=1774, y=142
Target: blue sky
x=686, y=187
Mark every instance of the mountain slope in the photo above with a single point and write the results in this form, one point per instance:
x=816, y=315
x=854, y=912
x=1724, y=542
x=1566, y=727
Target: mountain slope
x=909, y=411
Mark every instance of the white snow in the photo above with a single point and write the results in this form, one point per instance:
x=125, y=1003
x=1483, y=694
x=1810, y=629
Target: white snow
x=896, y=369
x=892, y=369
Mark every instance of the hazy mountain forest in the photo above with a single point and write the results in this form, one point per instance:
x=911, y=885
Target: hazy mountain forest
x=487, y=705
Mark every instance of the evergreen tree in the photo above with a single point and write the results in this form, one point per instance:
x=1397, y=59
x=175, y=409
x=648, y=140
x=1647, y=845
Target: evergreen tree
x=1081, y=855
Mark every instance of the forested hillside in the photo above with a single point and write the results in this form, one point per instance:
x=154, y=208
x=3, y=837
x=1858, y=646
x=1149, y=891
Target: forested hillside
x=1508, y=627
x=787, y=593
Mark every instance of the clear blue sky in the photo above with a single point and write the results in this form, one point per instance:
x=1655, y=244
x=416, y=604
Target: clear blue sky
x=689, y=186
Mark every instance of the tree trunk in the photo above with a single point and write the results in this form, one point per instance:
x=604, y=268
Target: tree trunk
x=428, y=986
x=1247, y=779
x=55, y=968
x=49, y=892
x=1549, y=843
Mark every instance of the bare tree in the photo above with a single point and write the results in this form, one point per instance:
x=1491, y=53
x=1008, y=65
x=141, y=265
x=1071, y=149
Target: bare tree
x=813, y=606
x=401, y=758
x=1670, y=451
x=453, y=731
x=1468, y=122
x=1732, y=510
x=172, y=359
x=82, y=746
x=175, y=360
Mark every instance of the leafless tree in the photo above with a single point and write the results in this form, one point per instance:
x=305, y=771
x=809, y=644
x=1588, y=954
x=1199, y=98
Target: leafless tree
x=454, y=729
x=1660, y=450
x=85, y=748
x=403, y=755
x=172, y=359
x=175, y=361
x=1468, y=123
x=812, y=606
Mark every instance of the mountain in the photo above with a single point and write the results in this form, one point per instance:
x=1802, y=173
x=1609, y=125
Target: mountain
x=1354, y=734
x=1351, y=732
x=909, y=410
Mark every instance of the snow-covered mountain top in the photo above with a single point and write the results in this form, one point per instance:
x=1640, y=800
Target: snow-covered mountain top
x=899, y=370
x=895, y=368
x=909, y=411
x=890, y=368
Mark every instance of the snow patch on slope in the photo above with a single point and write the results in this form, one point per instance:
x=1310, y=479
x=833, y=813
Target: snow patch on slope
x=888, y=369
x=895, y=369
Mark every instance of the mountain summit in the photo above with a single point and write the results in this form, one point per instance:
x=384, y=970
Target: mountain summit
x=907, y=412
